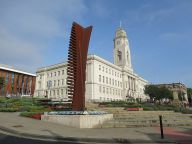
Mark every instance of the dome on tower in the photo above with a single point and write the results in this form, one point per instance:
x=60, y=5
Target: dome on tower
x=120, y=32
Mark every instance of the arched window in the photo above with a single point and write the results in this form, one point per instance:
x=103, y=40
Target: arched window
x=119, y=54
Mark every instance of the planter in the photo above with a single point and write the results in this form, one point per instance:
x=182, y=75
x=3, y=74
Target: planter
x=36, y=116
x=134, y=109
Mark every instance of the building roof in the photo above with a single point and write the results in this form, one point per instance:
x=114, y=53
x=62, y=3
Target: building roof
x=14, y=70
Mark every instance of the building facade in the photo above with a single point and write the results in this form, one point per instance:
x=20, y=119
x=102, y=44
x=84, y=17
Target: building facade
x=16, y=82
x=105, y=81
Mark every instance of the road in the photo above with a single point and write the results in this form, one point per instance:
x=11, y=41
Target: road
x=10, y=139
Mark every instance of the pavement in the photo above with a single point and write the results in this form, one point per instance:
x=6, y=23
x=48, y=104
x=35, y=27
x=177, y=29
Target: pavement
x=15, y=125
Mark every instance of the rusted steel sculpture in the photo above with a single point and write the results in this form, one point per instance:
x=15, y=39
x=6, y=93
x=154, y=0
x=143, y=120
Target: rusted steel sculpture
x=77, y=57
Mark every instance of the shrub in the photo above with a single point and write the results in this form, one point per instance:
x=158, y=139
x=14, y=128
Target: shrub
x=8, y=109
x=119, y=104
x=148, y=108
x=2, y=99
x=187, y=111
x=34, y=109
x=13, y=100
x=29, y=114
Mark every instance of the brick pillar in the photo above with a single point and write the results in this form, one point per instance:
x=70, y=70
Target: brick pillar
x=15, y=83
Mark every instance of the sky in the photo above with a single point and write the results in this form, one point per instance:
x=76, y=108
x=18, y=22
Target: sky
x=35, y=33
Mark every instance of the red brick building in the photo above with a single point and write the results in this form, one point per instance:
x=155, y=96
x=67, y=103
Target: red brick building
x=16, y=82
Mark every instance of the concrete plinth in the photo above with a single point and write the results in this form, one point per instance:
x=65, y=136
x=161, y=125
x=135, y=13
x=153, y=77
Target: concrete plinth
x=78, y=121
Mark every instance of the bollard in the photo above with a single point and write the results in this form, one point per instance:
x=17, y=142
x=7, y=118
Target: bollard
x=161, y=126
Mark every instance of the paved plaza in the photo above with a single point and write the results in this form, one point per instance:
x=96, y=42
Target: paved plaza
x=15, y=125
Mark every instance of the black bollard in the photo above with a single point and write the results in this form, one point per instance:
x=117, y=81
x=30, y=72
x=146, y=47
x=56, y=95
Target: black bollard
x=161, y=126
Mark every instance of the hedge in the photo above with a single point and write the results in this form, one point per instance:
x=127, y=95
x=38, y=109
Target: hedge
x=8, y=109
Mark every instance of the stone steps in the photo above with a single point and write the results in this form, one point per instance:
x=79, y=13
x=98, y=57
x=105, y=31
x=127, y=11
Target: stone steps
x=152, y=117
x=141, y=125
x=147, y=119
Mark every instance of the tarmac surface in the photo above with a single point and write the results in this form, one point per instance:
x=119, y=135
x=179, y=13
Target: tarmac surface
x=26, y=130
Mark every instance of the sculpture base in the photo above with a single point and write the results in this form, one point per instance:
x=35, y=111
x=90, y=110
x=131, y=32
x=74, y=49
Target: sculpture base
x=77, y=121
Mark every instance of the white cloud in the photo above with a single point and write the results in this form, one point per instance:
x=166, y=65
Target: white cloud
x=28, y=26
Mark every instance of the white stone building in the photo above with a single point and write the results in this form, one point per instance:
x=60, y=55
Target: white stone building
x=105, y=81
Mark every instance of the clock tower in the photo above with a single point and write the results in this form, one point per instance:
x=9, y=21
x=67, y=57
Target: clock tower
x=121, y=51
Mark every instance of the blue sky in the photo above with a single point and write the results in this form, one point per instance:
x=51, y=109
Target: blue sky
x=35, y=33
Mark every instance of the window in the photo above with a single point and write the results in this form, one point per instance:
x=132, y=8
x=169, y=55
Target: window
x=127, y=56
x=55, y=73
x=103, y=89
x=118, y=83
x=103, y=68
x=54, y=82
x=58, y=73
x=47, y=74
x=103, y=79
x=62, y=81
x=47, y=84
x=39, y=85
x=12, y=83
x=100, y=89
x=53, y=92
x=110, y=90
x=119, y=55
x=106, y=80
x=58, y=82
x=99, y=67
x=61, y=91
x=62, y=72
x=107, y=90
x=106, y=70
x=109, y=80
x=58, y=92
x=113, y=81
x=99, y=78
x=51, y=75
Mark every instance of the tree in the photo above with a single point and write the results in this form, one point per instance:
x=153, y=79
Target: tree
x=152, y=91
x=166, y=93
x=158, y=93
x=189, y=94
